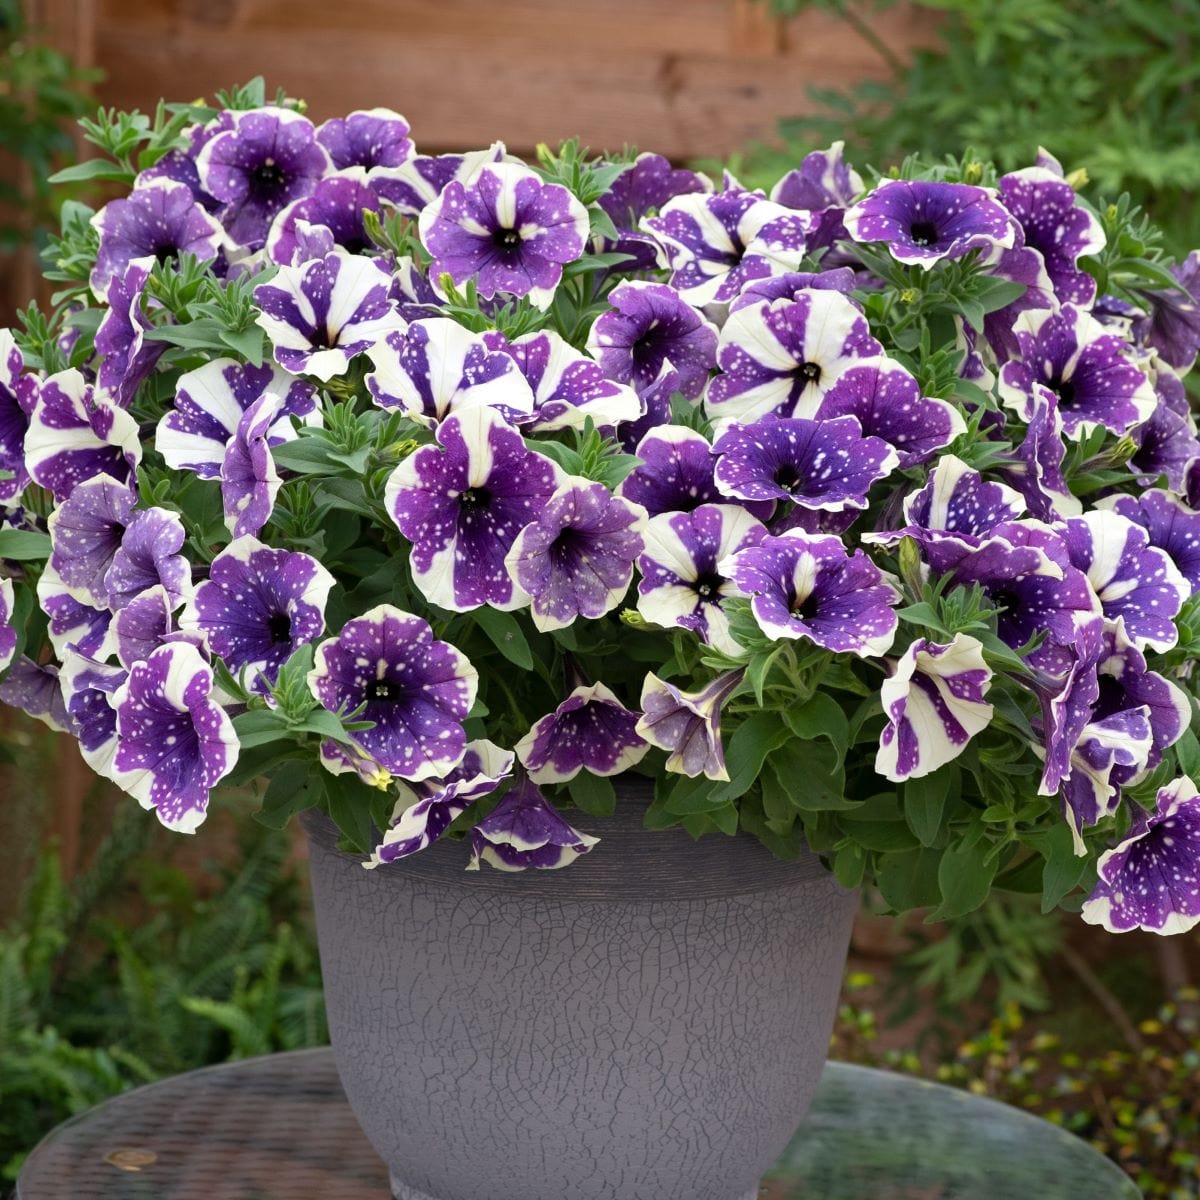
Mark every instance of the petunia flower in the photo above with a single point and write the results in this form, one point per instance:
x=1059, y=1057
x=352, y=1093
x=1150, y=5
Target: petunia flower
x=372, y=137
x=575, y=558
x=76, y=433
x=1134, y=580
x=1040, y=455
x=1070, y=354
x=265, y=159
x=681, y=584
x=127, y=357
x=790, y=284
x=568, y=387
x=249, y=480
x=1058, y=226
x=887, y=403
x=525, y=831
x=179, y=166
x=426, y=810
x=649, y=328
x=336, y=204
x=783, y=356
x=806, y=586
x=506, y=228
x=417, y=691
x=591, y=730
x=1151, y=879
x=149, y=556
x=87, y=688
x=73, y=623
x=85, y=534
x=158, y=220
x=1170, y=526
x=923, y=222
x=1172, y=329
x=687, y=724
x=144, y=624
x=174, y=741
x=417, y=183
x=8, y=633
x=35, y=689
x=209, y=404
x=18, y=394
x=1167, y=441
x=462, y=503
x=438, y=367
x=321, y=315
x=816, y=464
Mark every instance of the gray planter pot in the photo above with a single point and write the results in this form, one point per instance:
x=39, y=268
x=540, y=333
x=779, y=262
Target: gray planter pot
x=647, y=1024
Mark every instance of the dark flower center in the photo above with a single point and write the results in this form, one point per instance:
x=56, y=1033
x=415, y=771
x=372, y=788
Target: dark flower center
x=1112, y=698
x=708, y=585
x=807, y=608
x=810, y=372
x=166, y=252
x=506, y=239
x=267, y=178
x=279, y=626
x=787, y=477
x=1065, y=390
x=382, y=690
x=923, y=233
x=474, y=499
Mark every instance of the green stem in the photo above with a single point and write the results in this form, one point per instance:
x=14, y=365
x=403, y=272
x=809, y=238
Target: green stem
x=868, y=35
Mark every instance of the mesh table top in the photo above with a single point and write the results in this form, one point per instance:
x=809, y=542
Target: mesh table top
x=279, y=1128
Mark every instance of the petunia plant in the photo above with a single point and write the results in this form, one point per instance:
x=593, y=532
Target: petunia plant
x=439, y=492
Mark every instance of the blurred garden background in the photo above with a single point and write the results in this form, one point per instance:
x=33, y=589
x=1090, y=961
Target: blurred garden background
x=127, y=953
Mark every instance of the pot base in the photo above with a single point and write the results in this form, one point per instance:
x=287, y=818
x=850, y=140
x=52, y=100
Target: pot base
x=401, y=1191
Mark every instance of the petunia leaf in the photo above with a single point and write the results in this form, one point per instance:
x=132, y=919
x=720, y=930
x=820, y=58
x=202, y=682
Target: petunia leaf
x=350, y=805
x=24, y=545
x=292, y=789
x=925, y=802
x=593, y=794
x=505, y=633
x=964, y=877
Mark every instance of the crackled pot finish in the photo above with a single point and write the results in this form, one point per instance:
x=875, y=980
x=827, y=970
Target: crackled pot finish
x=647, y=1024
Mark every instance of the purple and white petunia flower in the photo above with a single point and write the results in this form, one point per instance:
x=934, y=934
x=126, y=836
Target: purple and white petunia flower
x=1173, y=327
x=336, y=204
x=782, y=357
x=249, y=480
x=415, y=689
x=72, y=624
x=36, y=691
x=1026, y=267
x=1070, y=354
x=127, y=357
x=372, y=137
x=76, y=433
x=591, y=730
x=179, y=166
x=1134, y=580
x=322, y=314
x=1151, y=879
x=144, y=624
x=924, y=222
x=568, y=387
x=258, y=606
x=1058, y=226
x=525, y=831
x=641, y=189
x=687, y=724
x=462, y=504
x=714, y=244
x=649, y=330
x=1167, y=442
x=174, y=741
x=18, y=395
x=342, y=758
x=438, y=367
x=159, y=220
x=149, y=556
x=887, y=402
x=789, y=285
x=85, y=534
x=210, y=403
x=426, y=810
x=506, y=228
x=675, y=473
x=1040, y=454
x=806, y=586
x=414, y=184
x=8, y=633
x=823, y=180
x=575, y=559
x=87, y=689
x=680, y=583
x=816, y=464
x=934, y=703
x=1170, y=526
x=265, y=159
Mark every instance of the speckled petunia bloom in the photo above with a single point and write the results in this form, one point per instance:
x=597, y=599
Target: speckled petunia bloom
x=18, y=394
x=1169, y=524
x=415, y=689
x=128, y=357
x=149, y=556
x=524, y=831
x=174, y=741
x=506, y=228
x=249, y=480
x=85, y=534
x=1151, y=879
x=368, y=138
x=8, y=634
x=575, y=559
x=337, y=205
x=687, y=724
x=462, y=504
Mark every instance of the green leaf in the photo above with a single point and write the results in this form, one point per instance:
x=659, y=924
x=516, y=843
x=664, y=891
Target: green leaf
x=691, y=796
x=306, y=456
x=750, y=744
x=925, y=802
x=246, y=342
x=295, y=787
x=325, y=724
x=1064, y=868
x=593, y=794
x=1187, y=750
x=811, y=775
x=909, y=879
x=964, y=877
x=822, y=716
x=93, y=168
x=505, y=633
x=350, y=802
x=24, y=545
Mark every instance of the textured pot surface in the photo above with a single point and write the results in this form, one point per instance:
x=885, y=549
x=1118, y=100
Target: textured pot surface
x=647, y=1024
